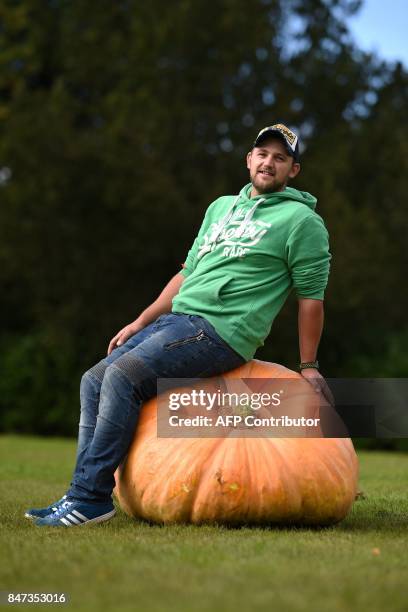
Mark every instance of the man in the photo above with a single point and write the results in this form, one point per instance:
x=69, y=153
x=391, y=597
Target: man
x=251, y=251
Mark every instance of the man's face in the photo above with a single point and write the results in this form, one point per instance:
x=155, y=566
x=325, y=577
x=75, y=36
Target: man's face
x=270, y=167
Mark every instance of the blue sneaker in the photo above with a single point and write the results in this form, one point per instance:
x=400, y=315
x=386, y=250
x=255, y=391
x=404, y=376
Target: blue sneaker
x=72, y=513
x=35, y=513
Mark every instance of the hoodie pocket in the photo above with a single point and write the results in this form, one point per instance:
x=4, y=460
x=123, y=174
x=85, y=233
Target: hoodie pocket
x=205, y=295
x=218, y=293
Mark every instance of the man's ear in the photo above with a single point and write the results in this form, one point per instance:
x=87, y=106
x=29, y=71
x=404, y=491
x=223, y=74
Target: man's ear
x=248, y=159
x=294, y=170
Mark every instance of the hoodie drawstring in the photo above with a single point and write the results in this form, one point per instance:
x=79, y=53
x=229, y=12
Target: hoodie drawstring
x=248, y=218
x=224, y=221
x=206, y=248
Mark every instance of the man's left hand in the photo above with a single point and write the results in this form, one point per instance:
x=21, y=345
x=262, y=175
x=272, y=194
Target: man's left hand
x=318, y=383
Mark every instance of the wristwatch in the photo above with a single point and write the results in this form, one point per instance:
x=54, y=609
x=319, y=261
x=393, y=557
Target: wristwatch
x=309, y=364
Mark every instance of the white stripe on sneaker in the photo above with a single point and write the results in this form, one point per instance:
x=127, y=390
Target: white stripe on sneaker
x=79, y=515
x=101, y=518
x=73, y=519
x=98, y=519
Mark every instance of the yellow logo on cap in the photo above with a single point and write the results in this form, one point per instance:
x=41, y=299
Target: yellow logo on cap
x=289, y=135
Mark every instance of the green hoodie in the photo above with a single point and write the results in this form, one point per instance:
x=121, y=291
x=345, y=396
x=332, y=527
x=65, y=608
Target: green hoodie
x=248, y=255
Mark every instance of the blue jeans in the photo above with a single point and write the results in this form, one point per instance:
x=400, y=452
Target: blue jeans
x=112, y=392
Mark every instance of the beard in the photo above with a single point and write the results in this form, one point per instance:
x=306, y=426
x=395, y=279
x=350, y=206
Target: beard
x=269, y=186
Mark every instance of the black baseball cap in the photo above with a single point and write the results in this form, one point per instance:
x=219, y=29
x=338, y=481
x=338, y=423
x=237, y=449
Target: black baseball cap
x=288, y=137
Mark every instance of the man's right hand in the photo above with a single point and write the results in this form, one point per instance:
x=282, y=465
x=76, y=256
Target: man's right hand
x=124, y=334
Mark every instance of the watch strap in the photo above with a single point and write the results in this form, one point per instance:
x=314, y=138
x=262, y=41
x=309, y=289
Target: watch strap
x=309, y=364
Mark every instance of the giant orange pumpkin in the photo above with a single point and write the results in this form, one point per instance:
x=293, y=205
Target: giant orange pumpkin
x=232, y=480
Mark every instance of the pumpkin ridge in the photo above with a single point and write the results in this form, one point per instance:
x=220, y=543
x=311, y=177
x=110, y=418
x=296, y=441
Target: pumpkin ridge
x=205, y=474
x=283, y=462
x=202, y=474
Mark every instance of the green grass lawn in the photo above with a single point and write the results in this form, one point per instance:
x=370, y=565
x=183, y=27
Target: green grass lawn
x=129, y=565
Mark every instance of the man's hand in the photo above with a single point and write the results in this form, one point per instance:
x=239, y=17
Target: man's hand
x=318, y=383
x=124, y=334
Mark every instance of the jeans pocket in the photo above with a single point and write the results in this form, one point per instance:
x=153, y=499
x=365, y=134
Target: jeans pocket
x=200, y=335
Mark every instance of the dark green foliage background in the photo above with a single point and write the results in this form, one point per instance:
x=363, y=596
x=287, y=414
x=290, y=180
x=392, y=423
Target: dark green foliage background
x=121, y=121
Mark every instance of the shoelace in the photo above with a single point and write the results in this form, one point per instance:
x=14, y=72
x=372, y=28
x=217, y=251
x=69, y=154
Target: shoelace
x=54, y=508
x=63, y=507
